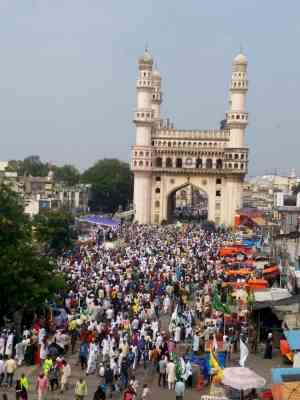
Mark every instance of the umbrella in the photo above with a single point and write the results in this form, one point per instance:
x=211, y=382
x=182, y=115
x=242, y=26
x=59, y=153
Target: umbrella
x=241, y=378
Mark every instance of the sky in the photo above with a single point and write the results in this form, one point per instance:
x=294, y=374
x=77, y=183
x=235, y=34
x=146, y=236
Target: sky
x=68, y=72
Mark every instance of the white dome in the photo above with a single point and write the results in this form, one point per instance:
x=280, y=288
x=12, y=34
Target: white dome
x=146, y=58
x=156, y=75
x=240, y=59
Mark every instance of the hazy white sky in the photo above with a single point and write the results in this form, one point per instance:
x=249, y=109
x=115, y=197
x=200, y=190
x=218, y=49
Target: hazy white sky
x=68, y=71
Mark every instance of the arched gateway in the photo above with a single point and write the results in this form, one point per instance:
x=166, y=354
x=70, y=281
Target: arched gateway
x=165, y=159
x=187, y=202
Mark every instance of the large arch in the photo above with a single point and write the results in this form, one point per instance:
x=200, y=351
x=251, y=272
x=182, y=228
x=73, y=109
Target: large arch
x=187, y=207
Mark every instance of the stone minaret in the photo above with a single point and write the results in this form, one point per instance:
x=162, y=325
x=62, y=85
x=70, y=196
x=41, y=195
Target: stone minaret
x=144, y=120
x=156, y=95
x=237, y=117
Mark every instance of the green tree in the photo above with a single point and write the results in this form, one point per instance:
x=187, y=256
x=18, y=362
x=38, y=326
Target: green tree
x=31, y=165
x=112, y=184
x=67, y=174
x=27, y=278
x=54, y=230
x=14, y=166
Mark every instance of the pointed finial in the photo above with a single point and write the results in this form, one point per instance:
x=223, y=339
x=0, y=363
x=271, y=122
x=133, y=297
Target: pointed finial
x=146, y=47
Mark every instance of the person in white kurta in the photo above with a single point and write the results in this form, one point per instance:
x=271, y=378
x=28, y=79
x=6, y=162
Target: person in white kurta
x=177, y=334
x=171, y=374
x=166, y=304
x=2, y=345
x=20, y=352
x=66, y=373
x=9, y=345
x=105, y=349
x=196, y=343
x=92, y=360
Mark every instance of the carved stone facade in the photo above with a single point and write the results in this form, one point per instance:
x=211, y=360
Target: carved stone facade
x=165, y=159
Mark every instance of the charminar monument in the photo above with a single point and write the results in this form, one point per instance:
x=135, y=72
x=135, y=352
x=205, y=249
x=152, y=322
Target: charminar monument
x=166, y=159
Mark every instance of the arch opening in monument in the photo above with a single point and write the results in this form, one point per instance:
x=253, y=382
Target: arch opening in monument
x=187, y=203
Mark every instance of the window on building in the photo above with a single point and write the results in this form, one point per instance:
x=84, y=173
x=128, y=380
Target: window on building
x=141, y=163
x=157, y=204
x=218, y=181
x=236, y=156
x=169, y=144
x=169, y=163
x=242, y=166
x=157, y=190
x=158, y=178
x=199, y=163
x=242, y=156
x=236, y=165
x=218, y=193
x=219, y=164
x=209, y=163
x=179, y=163
x=158, y=162
x=218, y=206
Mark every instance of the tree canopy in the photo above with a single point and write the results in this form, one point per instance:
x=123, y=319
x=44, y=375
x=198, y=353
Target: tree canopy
x=54, y=230
x=67, y=174
x=31, y=165
x=27, y=278
x=112, y=185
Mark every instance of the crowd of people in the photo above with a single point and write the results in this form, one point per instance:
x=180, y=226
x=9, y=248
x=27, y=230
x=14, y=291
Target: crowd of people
x=143, y=304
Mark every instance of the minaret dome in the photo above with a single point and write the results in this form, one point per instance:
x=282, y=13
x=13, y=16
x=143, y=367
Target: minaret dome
x=156, y=75
x=146, y=61
x=240, y=59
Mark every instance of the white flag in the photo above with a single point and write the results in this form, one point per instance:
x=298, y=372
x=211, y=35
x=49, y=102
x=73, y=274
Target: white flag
x=244, y=353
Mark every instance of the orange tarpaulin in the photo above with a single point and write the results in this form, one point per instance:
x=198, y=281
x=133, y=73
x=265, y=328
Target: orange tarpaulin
x=236, y=249
x=257, y=284
x=272, y=272
x=252, y=284
x=242, y=271
x=285, y=350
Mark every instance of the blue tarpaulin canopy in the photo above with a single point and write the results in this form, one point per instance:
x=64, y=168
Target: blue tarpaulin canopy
x=99, y=220
x=293, y=339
